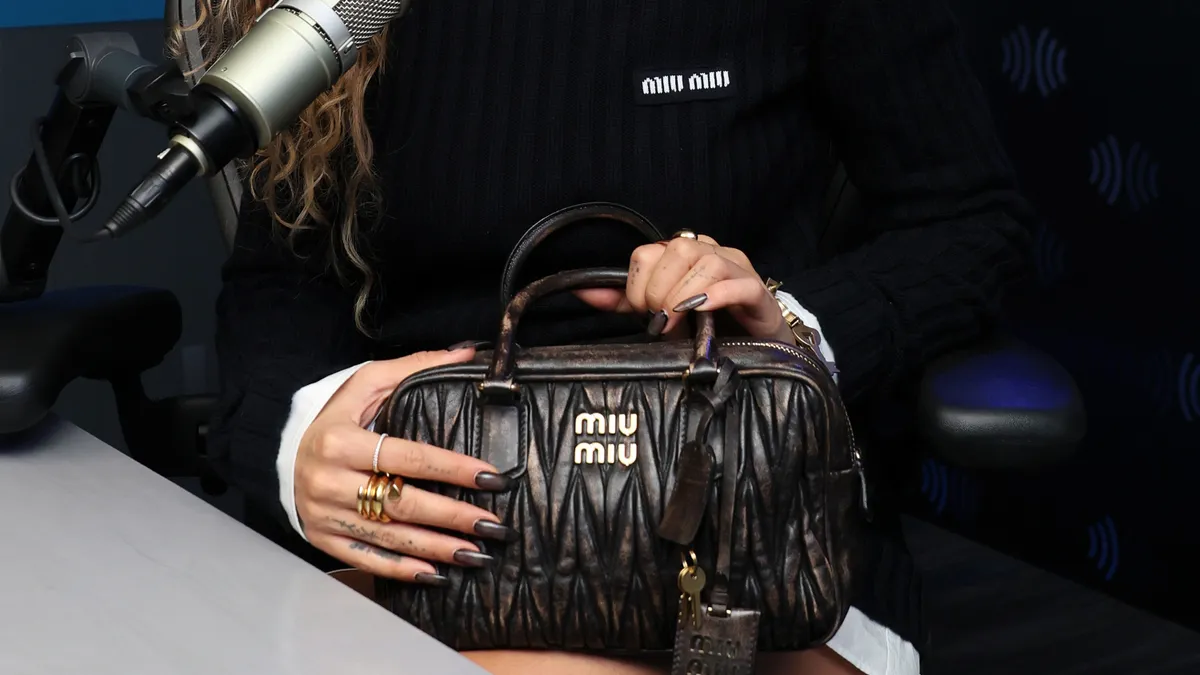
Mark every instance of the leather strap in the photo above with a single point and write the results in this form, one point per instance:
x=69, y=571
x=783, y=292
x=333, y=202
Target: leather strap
x=691, y=483
x=718, y=603
x=560, y=219
x=499, y=384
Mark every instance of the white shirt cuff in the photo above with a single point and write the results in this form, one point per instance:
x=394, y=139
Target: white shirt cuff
x=811, y=321
x=307, y=403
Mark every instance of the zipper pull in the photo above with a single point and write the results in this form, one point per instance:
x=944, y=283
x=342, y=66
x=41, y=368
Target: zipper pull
x=687, y=494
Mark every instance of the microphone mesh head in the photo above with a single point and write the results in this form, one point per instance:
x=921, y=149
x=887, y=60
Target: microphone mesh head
x=367, y=18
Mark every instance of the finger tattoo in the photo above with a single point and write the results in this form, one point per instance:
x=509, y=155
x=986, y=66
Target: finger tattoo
x=355, y=530
x=381, y=552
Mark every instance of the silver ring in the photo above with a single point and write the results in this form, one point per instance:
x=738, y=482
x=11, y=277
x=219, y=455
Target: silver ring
x=378, y=447
x=685, y=234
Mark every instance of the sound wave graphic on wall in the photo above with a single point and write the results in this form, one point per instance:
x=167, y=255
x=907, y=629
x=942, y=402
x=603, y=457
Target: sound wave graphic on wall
x=1158, y=381
x=1043, y=61
x=1188, y=387
x=951, y=492
x=1050, y=256
x=1131, y=174
x=1104, y=548
x=1162, y=383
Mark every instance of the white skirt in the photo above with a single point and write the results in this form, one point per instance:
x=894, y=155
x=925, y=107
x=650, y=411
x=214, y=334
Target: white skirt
x=873, y=648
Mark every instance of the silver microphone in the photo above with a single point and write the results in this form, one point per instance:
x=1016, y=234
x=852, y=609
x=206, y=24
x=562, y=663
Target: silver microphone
x=295, y=51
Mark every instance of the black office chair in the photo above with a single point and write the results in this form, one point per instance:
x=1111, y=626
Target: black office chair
x=995, y=405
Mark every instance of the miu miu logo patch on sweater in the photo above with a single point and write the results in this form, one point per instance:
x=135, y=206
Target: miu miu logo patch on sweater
x=685, y=84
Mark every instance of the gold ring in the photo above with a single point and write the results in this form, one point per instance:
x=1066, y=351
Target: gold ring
x=370, y=498
x=362, y=500
x=393, y=488
x=685, y=234
x=377, y=490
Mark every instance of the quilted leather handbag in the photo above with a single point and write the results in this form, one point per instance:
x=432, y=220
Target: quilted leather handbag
x=702, y=496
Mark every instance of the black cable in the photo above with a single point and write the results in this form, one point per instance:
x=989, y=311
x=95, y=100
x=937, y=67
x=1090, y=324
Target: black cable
x=84, y=177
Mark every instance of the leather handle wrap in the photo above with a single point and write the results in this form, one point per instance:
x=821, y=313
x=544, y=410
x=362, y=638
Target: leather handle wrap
x=499, y=380
x=560, y=219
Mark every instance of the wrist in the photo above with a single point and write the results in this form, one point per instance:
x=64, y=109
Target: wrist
x=784, y=333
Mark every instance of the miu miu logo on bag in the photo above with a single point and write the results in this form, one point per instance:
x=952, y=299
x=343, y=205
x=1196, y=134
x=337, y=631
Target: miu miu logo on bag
x=715, y=656
x=600, y=450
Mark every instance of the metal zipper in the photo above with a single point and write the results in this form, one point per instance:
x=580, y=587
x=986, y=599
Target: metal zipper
x=855, y=453
x=797, y=352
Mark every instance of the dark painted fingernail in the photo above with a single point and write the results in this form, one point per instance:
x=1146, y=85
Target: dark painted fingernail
x=491, y=530
x=691, y=303
x=473, y=558
x=432, y=579
x=657, y=324
x=464, y=344
x=486, y=480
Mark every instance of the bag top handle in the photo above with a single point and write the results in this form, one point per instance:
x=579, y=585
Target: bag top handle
x=560, y=219
x=499, y=385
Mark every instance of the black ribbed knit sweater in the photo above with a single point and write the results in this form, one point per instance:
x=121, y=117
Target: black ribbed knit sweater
x=490, y=115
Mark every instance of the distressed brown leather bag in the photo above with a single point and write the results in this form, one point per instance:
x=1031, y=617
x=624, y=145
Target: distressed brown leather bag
x=726, y=468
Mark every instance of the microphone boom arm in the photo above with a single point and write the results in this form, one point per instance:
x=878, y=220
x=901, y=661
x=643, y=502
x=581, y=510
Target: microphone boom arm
x=104, y=72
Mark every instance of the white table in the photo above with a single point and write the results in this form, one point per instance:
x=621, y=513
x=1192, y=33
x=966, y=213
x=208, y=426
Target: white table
x=107, y=568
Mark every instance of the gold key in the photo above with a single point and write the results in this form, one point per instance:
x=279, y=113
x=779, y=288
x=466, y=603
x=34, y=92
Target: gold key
x=685, y=601
x=691, y=582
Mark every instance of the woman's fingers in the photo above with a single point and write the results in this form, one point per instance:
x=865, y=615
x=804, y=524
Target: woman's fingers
x=670, y=278
x=359, y=396
x=654, y=268
x=406, y=539
x=676, y=262
x=642, y=264
x=705, y=272
x=745, y=297
x=377, y=560
x=414, y=506
x=354, y=448
x=606, y=299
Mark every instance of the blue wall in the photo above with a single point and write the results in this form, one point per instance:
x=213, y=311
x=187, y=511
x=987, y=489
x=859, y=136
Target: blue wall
x=1096, y=102
x=19, y=13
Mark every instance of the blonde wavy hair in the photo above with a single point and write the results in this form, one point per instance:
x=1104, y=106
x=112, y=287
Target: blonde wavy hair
x=323, y=161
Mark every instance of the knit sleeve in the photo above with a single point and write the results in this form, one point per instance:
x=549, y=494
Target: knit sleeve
x=948, y=230
x=283, y=321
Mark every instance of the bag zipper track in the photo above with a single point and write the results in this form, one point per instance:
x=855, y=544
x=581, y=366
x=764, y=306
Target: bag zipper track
x=855, y=453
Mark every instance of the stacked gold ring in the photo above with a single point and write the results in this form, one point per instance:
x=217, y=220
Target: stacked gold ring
x=371, y=495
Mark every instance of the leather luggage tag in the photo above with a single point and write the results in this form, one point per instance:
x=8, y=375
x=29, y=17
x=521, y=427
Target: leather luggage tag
x=721, y=645
x=687, y=496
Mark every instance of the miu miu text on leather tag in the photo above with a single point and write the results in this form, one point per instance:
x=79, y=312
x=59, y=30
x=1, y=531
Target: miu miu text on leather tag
x=652, y=87
x=594, y=438
x=720, y=645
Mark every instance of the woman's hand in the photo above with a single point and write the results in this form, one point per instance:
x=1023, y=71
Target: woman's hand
x=670, y=278
x=335, y=459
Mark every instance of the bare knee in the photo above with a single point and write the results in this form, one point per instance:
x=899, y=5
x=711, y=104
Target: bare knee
x=505, y=662
x=818, y=661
